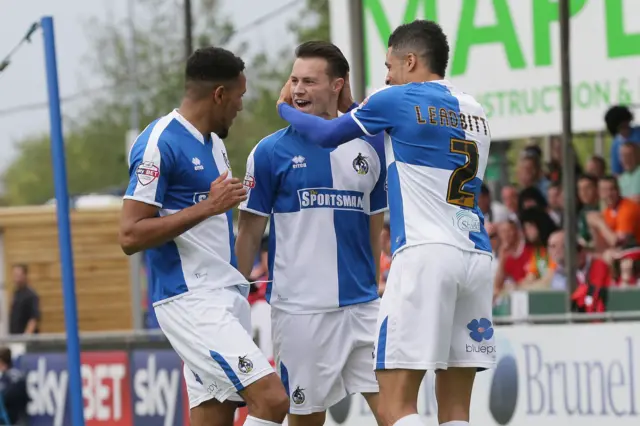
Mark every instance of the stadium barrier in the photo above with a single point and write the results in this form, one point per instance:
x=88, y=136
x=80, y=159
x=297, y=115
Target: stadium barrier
x=584, y=370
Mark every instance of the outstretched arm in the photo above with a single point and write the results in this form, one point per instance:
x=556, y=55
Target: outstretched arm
x=326, y=133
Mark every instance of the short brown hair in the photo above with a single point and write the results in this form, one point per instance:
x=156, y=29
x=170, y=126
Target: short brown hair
x=5, y=357
x=337, y=64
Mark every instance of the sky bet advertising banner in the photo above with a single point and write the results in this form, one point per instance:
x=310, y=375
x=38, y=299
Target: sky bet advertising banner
x=587, y=375
x=506, y=53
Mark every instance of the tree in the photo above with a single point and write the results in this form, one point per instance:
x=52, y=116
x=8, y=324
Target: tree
x=95, y=142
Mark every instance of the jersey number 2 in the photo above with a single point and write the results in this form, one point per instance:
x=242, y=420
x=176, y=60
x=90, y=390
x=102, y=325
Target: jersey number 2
x=463, y=174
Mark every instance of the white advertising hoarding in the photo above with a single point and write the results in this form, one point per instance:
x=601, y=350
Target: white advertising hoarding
x=506, y=53
x=555, y=375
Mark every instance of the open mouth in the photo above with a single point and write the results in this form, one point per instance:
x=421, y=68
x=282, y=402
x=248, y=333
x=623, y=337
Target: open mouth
x=301, y=103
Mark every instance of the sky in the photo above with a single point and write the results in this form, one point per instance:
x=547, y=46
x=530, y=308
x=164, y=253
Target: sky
x=23, y=83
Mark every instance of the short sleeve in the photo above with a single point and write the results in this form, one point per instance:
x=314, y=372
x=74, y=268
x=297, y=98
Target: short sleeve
x=34, y=307
x=378, y=198
x=628, y=217
x=150, y=165
x=374, y=115
x=259, y=181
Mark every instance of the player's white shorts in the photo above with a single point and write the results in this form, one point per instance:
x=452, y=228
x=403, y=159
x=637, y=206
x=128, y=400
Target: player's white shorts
x=211, y=331
x=324, y=357
x=436, y=311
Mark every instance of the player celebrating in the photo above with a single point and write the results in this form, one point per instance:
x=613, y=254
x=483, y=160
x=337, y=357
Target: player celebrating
x=327, y=211
x=177, y=207
x=436, y=310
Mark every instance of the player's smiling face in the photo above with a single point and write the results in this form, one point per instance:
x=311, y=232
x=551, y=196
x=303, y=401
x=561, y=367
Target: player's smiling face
x=312, y=89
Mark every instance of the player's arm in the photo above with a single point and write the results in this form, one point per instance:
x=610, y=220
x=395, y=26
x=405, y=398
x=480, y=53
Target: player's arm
x=378, y=205
x=369, y=118
x=255, y=211
x=376, y=223
x=141, y=226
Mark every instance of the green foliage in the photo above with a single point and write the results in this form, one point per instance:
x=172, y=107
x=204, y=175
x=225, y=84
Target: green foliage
x=95, y=143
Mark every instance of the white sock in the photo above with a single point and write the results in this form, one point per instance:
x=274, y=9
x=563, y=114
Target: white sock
x=254, y=421
x=455, y=423
x=410, y=420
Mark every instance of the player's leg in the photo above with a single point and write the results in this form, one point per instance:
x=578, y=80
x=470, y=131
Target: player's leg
x=472, y=341
x=414, y=327
x=310, y=351
x=204, y=409
x=209, y=331
x=358, y=374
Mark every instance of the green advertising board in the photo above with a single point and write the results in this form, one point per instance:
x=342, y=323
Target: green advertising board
x=506, y=54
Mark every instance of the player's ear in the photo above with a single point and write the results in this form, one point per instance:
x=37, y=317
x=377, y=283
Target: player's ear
x=218, y=94
x=338, y=84
x=411, y=61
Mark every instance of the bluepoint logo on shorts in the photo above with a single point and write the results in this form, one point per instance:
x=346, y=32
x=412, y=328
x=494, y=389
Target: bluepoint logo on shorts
x=312, y=198
x=480, y=329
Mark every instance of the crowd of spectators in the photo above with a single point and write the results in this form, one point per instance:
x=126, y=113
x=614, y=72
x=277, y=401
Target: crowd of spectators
x=526, y=225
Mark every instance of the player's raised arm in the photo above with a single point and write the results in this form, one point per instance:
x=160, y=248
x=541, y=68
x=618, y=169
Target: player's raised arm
x=369, y=118
x=141, y=227
x=255, y=211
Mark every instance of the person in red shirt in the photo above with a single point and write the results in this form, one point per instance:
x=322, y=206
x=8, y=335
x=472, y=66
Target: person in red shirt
x=513, y=258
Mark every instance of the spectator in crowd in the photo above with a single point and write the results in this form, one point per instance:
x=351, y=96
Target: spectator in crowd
x=24, y=317
x=629, y=179
x=554, y=167
x=493, y=211
x=596, y=167
x=537, y=226
x=509, y=197
x=618, y=120
x=589, y=268
x=530, y=173
x=555, y=198
x=513, y=258
x=531, y=197
x=13, y=391
x=588, y=197
x=385, y=257
x=619, y=224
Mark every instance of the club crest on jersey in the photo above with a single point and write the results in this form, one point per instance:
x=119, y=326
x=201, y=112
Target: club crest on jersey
x=147, y=172
x=298, y=396
x=245, y=365
x=361, y=165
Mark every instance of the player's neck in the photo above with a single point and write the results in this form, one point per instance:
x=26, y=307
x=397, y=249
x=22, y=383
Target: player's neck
x=198, y=117
x=421, y=77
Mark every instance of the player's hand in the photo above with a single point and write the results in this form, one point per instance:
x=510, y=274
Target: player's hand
x=285, y=94
x=345, y=100
x=225, y=194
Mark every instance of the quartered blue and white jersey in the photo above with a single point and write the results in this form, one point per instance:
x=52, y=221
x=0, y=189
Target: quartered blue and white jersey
x=437, y=142
x=171, y=166
x=319, y=200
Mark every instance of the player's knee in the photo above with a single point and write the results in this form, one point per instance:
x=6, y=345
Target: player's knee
x=267, y=399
